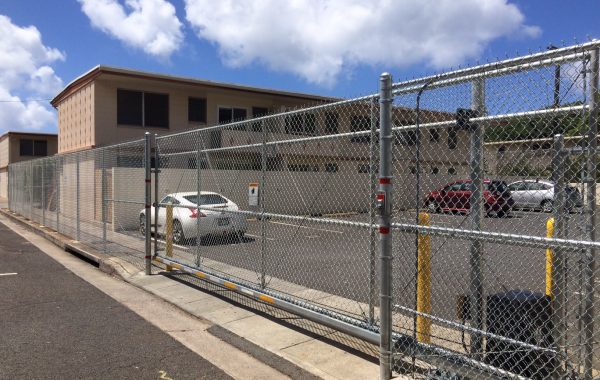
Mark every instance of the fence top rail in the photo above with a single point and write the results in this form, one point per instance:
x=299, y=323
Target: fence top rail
x=512, y=62
x=403, y=128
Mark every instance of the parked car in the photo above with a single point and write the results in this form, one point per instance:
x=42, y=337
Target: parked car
x=538, y=194
x=214, y=218
x=456, y=196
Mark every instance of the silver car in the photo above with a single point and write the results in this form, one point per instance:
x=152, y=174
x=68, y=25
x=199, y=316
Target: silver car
x=534, y=194
x=214, y=216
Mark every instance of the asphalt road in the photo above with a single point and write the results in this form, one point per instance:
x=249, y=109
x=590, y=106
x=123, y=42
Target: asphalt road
x=335, y=258
x=55, y=325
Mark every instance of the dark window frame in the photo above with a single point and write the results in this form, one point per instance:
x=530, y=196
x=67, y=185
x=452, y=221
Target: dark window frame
x=236, y=116
x=27, y=145
x=434, y=135
x=33, y=148
x=197, y=109
x=332, y=123
x=144, y=115
x=258, y=112
x=360, y=123
x=301, y=124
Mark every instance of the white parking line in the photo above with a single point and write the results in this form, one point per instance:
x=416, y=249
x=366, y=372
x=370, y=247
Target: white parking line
x=8, y=274
x=175, y=245
x=310, y=228
x=258, y=237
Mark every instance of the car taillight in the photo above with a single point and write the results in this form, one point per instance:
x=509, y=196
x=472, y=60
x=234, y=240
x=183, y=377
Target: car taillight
x=195, y=213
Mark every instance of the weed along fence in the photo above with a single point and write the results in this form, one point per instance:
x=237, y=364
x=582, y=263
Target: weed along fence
x=450, y=220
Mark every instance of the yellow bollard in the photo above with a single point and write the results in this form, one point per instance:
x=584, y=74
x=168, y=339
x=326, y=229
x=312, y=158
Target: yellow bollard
x=169, y=233
x=424, y=282
x=549, y=257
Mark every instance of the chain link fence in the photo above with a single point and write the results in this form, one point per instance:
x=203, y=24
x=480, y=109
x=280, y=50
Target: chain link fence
x=449, y=219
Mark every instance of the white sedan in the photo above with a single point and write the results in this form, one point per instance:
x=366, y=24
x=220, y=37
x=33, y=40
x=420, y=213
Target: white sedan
x=216, y=216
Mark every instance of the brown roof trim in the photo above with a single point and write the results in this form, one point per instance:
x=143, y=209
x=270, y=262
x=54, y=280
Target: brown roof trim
x=75, y=85
x=99, y=70
x=33, y=134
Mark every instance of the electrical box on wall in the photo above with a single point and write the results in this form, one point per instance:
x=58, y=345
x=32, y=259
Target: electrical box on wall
x=253, y=194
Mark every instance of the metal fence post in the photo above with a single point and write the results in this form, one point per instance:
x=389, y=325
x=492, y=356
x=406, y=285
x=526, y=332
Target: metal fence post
x=43, y=195
x=103, y=192
x=58, y=172
x=156, y=193
x=476, y=216
x=591, y=216
x=372, y=216
x=148, y=201
x=30, y=190
x=261, y=195
x=77, y=198
x=198, y=204
x=559, y=282
x=384, y=198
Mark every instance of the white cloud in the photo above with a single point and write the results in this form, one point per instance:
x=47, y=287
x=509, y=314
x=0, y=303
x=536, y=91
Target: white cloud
x=318, y=39
x=150, y=25
x=25, y=75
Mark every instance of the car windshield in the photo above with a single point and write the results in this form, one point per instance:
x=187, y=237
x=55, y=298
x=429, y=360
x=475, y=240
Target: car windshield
x=206, y=199
x=498, y=187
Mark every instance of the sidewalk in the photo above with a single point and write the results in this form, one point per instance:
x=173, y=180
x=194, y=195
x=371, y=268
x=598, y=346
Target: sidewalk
x=318, y=350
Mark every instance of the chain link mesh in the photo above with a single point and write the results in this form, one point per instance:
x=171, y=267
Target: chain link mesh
x=493, y=220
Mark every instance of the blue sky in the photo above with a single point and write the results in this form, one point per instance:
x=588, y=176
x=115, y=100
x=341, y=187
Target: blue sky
x=327, y=47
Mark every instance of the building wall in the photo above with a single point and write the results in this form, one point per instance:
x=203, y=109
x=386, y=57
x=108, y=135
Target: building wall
x=4, y=153
x=108, y=132
x=76, y=120
x=4, y=183
x=10, y=152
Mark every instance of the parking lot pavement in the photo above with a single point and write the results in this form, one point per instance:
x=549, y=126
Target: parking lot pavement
x=335, y=258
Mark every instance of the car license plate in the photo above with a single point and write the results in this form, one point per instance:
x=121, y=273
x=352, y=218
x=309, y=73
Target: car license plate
x=222, y=221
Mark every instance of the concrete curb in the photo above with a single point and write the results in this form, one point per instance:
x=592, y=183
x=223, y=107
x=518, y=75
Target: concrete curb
x=300, y=355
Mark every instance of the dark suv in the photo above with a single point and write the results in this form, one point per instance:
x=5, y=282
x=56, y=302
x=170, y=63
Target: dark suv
x=456, y=196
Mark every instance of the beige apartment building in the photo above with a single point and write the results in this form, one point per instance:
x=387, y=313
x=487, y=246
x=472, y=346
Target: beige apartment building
x=110, y=105
x=22, y=146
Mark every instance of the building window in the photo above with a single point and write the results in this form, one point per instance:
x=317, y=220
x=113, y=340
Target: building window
x=434, y=135
x=301, y=124
x=359, y=124
x=40, y=148
x=231, y=114
x=452, y=138
x=197, y=110
x=331, y=123
x=156, y=110
x=299, y=167
x=331, y=167
x=143, y=109
x=26, y=148
x=407, y=138
x=258, y=112
x=29, y=147
x=366, y=168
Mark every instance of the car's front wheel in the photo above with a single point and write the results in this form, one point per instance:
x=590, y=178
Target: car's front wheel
x=178, y=235
x=432, y=206
x=143, y=225
x=547, y=206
